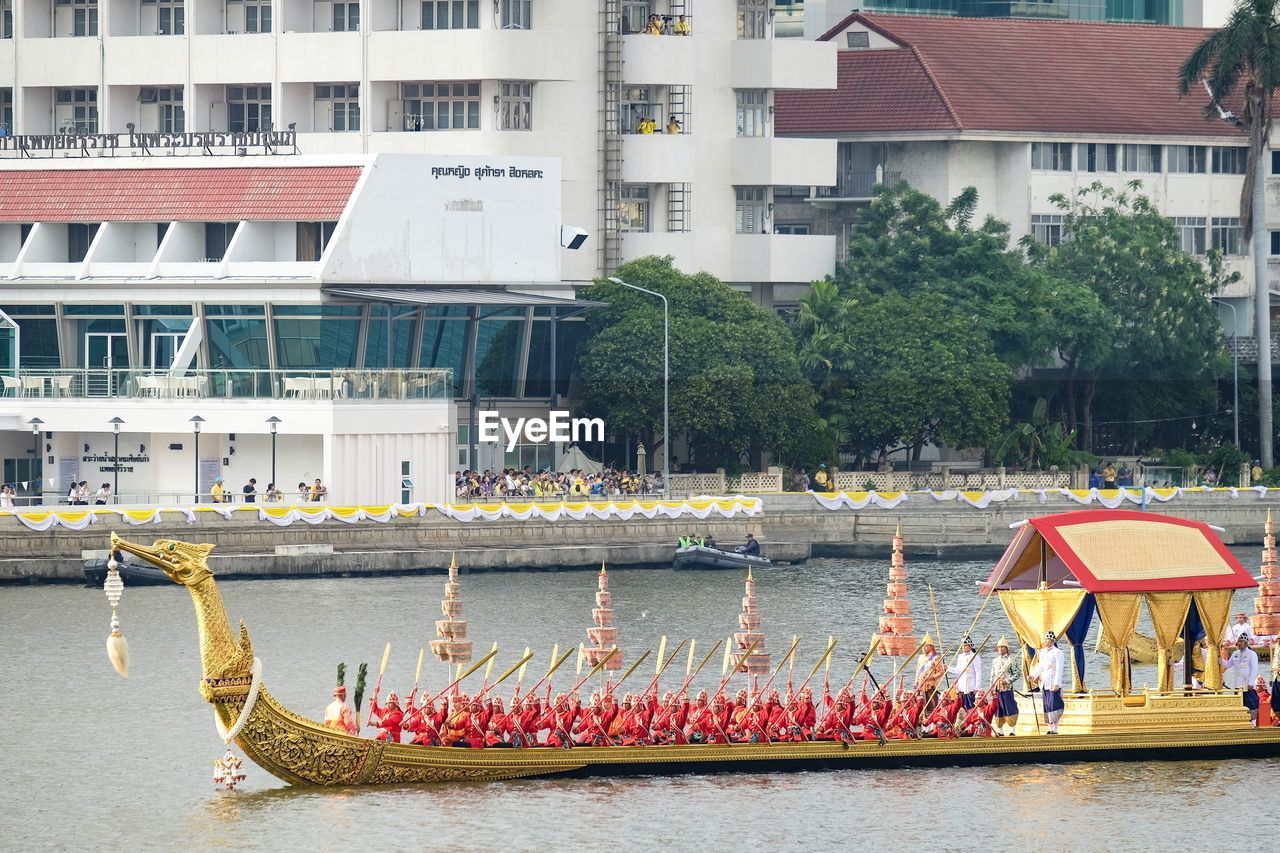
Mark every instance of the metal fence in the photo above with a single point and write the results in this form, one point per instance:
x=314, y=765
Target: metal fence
x=231, y=384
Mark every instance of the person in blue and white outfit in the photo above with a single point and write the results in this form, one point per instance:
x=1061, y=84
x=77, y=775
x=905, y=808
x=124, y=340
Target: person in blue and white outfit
x=1240, y=672
x=1047, y=670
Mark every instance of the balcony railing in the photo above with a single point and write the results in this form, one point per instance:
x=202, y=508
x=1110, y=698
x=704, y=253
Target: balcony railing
x=231, y=384
x=858, y=186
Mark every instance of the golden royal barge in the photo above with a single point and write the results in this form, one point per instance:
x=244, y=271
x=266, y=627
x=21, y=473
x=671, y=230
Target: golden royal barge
x=1056, y=569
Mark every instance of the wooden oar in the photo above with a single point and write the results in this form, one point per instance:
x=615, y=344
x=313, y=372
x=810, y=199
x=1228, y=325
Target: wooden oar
x=377, y=685
x=903, y=666
x=604, y=660
x=475, y=666
x=831, y=646
x=714, y=649
x=791, y=651
x=417, y=674
x=633, y=668
x=791, y=667
x=937, y=629
x=741, y=667
x=488, y=670
x=501, y=678
x=524, y=666
x=661, y=667
x=550, y=672
x=865, y=662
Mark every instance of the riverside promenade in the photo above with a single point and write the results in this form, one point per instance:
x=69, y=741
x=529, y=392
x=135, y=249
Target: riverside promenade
x=791, y=527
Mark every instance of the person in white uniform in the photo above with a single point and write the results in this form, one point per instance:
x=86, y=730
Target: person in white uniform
x=1240, y=672
x=1047, y=670
x=967, y=672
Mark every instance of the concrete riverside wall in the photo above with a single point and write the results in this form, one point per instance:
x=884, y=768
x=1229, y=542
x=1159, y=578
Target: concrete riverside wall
x=792, y=527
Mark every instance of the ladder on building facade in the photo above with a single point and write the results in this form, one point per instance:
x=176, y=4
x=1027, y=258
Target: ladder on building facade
x=610, y=147
x=678, y=212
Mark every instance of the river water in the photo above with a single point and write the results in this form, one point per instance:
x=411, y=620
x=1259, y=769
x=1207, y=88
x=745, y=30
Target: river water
x=98, y=762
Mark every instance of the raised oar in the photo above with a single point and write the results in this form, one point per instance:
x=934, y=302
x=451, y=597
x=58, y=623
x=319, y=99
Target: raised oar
x=903, y=666
x=708, y=657
x=488, y=670
x=604, y=660
x=864, y=663
x=791, y=651
x=475, y=666
x=826, y=677
x=523, y=667
x=633, y=668
x=661, y=667
x=791, y=667
x=937, y=629
x=550, y=672
x=501, y=678
x=831, y=647
x=377, y=685
x=728, y=651
x=741, y=667
x=417, y=674
x=688, y=666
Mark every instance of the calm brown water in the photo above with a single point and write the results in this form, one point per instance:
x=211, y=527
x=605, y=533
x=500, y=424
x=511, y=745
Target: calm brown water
x=98, y=762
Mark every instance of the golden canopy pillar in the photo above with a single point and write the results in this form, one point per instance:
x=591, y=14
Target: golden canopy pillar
x=1118, y=559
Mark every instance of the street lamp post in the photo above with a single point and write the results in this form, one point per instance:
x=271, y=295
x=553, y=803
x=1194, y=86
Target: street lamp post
x=195, y=427
x=275, y=422
x=1235, y=365
x=115, y=459
x=36, y=423
x=666, y=382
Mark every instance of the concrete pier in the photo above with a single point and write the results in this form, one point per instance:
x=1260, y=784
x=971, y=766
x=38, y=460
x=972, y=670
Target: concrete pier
x=792, y=528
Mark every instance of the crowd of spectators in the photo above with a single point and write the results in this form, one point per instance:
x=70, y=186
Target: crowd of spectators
x=527, y=483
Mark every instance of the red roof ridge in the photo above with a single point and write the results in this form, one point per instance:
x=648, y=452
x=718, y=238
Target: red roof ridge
x=937, y=87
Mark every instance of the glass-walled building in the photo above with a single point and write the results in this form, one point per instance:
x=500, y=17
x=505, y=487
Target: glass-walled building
x=351, y=307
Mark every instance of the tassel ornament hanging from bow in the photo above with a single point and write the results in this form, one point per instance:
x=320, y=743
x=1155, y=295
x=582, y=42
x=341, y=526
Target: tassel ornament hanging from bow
x=117, y=645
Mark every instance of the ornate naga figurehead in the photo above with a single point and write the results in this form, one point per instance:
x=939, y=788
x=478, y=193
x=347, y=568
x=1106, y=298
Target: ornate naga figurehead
x=183, y=562
x=226, y=659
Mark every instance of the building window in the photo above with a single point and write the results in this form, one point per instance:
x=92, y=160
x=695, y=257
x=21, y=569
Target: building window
x=753, y=19
x=79, y=238
x=635, y=16
x=170, y=16
x=217, y=237
x=346, y=17
x=791, y=228
x=1141, y=158
x=406, y=482
x=248, y=108
x=633, y=208
x=338, y=106
x=1098, y=157
x=515, y=106
x=1230, y=160
x=6, y=19
x=249, y=16
x=1051, y=156
x=312, y=238
x=1227, y=236
x=855, y=40
x=635, y=105
x=751, y=112
x=749, y=210
x=1188, y=159
x=1046, y=228
x=1192, y=233
x=167, y=115
x=1275, y=162
x=83, y=20
x=6, y=111
x=516, y=14
x=1275, y=243
x=450, y=14
x=441, y=106
x=76, y=110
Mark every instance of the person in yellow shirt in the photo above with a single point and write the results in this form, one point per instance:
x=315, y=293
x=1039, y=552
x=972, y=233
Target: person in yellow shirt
x=648, y=126
x=654, y=28
x=217, y=494
x=681, y=27
x=673, y=125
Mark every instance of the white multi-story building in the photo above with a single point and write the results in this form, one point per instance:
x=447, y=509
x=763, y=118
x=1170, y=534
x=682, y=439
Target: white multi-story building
x=99, y=100
x=1023, y=110
x=556, y=78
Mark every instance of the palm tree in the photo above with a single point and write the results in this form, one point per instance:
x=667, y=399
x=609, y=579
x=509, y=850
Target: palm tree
x=1246, y=53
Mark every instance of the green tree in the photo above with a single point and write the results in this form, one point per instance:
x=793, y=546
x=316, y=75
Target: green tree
x=736, y=385
x=908, y=243
x=1245, y=53
x=897, y=369
x=1131, y=309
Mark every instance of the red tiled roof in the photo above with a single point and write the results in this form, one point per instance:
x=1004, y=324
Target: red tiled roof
x=267, y=193
x=1006, y=74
